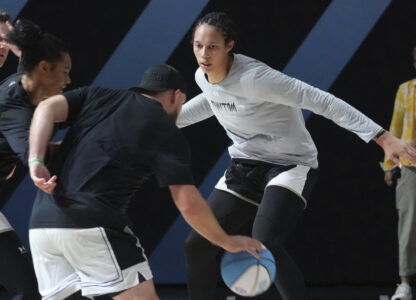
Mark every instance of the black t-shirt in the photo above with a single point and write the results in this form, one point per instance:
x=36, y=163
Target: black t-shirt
x=116, y=139
x=16, y=113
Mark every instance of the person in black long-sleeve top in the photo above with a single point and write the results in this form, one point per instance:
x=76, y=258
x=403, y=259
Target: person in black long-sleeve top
x=43, y=71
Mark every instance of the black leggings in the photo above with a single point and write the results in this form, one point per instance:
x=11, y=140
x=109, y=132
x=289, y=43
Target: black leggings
x=16, y=268
x=271, y=223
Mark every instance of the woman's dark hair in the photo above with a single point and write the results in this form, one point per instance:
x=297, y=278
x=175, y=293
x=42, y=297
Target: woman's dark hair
x=35, y=45
x=222, y=22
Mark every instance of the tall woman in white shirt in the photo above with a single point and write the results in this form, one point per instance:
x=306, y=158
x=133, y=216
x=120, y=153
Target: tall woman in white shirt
x=274, y=160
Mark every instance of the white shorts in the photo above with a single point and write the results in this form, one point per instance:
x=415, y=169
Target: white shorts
x=96, y=261
x=247, y=179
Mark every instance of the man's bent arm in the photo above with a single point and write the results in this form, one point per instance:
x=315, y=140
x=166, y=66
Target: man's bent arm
x=199, y=215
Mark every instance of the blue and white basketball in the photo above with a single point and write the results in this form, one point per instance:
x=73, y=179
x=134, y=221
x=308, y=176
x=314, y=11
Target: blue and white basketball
x=247, y=276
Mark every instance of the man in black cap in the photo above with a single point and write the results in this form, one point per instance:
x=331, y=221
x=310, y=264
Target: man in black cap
x=79, y=233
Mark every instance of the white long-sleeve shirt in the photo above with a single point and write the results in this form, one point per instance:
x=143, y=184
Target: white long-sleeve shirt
x=260, y=109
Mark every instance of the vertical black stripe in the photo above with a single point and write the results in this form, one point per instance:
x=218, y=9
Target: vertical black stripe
x=352, y=205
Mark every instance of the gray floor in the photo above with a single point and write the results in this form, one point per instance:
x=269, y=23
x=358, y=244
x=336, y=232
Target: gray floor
x=342, y=292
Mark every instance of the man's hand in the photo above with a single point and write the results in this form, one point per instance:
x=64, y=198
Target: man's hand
x=42, y=178
x=239, y=243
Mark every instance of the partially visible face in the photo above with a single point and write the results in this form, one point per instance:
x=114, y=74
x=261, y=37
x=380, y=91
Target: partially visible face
x=4, y=48
x=210, y=49
x=57, y=77
x=180, y=99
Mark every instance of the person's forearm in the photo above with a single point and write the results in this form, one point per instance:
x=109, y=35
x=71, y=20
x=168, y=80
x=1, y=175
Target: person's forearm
x=48, y=112
x=41, y=131
x=199, y=215
x=194, y=111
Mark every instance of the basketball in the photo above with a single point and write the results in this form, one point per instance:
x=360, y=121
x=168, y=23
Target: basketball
x=247, y=276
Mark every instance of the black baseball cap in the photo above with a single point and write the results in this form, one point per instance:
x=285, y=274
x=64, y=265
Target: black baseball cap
x=161, y=78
